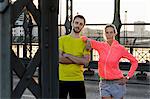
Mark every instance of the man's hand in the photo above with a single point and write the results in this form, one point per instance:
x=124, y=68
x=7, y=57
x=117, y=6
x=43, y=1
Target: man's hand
x=77, y=60
x=63, y=59
x=66, y=55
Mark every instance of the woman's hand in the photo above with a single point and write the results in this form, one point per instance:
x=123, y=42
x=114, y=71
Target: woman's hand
x=88, y=45
x=84, y=38
x=122, y=81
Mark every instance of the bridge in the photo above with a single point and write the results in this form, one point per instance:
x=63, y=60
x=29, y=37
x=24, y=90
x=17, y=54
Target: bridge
x=29, y=73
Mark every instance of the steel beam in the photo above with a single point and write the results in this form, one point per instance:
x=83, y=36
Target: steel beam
x=25, y=75
x=69, y=15
x=49, y=48
x=117, y=21
x=5, y=34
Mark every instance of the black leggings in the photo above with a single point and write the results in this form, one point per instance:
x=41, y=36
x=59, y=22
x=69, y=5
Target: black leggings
x=76, y=89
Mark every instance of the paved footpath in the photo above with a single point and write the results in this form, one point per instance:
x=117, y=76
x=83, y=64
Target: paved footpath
x=136, y=89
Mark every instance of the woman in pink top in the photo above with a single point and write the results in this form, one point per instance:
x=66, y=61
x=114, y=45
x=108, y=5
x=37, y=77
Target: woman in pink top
x=112, y=81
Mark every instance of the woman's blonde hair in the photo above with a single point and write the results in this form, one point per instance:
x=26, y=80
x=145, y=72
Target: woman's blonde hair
x=112, y=26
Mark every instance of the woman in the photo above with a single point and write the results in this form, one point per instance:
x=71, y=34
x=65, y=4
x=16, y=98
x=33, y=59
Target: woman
x=112, y=81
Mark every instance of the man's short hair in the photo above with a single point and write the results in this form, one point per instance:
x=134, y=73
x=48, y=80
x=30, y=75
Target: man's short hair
x=79, y=16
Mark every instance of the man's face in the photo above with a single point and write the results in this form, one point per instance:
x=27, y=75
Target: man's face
x=78, y=25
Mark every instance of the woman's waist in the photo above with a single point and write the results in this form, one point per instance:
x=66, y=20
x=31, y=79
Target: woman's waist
x=111, y=76
x=115, y=79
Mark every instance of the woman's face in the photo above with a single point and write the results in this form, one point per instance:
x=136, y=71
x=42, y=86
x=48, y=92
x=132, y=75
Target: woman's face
x=110, y=33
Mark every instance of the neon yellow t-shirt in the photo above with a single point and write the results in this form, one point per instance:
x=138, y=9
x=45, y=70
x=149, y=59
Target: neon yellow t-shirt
x=76, y=47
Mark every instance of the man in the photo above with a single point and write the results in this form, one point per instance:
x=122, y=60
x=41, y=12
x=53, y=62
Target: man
x=72, y=57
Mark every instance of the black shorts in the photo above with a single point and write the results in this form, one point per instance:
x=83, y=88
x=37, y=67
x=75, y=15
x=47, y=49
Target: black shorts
x=76, y=89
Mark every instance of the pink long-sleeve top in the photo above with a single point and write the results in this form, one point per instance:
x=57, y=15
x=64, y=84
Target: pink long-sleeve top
x=109, y=57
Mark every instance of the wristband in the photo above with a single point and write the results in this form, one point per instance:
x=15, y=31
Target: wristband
x=127, y=77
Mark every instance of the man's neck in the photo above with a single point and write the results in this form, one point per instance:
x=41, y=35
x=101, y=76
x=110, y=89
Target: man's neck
x=75, y=35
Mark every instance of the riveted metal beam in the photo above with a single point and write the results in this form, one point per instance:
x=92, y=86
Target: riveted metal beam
x=5, y=34
x=117, y=21
x=49, y=48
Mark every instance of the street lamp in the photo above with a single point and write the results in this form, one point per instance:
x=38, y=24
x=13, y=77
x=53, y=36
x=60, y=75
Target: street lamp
x=125, y=29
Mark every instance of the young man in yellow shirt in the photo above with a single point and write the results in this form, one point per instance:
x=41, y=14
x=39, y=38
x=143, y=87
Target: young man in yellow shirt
x=72, y=58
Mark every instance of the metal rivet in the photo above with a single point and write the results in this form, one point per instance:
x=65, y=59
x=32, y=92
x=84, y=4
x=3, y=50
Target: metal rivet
x=46, y=28
x=52, y=8
x=46, y=45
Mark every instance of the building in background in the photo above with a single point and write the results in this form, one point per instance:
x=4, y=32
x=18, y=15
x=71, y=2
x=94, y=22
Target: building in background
x=139, y=29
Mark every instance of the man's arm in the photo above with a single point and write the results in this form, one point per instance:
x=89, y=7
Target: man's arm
x=64, y=60
x=84, y=60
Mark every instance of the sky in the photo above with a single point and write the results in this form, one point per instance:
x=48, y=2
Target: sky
x=101, y=11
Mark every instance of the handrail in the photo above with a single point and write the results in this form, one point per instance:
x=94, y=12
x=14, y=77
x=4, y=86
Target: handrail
x=123, y=66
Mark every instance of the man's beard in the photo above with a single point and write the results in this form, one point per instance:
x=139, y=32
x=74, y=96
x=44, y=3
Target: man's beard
x=76, y=30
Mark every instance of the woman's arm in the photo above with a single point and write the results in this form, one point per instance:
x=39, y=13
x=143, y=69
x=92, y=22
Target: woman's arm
x=88, y=45
x=133, y=61
x=91, y=44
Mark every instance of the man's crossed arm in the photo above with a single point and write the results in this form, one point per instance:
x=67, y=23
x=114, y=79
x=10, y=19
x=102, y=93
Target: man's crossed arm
x=65, y=58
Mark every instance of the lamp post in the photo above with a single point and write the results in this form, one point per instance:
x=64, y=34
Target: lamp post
x=125, y=29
